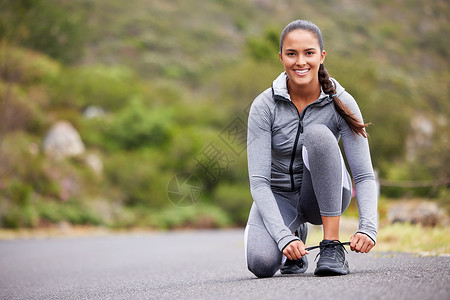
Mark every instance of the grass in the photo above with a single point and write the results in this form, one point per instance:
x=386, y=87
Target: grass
x=401, y=237
x=397, y=237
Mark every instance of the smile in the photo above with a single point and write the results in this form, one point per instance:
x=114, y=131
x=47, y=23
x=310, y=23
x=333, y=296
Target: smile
x=302, y=71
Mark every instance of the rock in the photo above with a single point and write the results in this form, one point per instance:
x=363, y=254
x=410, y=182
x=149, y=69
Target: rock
x=62, y=141
x=95, y=163
x=93, y=112
x=425, y=213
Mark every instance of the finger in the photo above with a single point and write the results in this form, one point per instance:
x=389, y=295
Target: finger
x=287, y=254
x=295, y=249
x=353, y=243
x=366, y=243
x=370, y=246
x=297, y=253
x=302, y=249
x=365, y=246
x=359, y=245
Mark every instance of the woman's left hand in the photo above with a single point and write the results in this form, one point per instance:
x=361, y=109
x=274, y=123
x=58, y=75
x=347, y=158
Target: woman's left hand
x=361, y=243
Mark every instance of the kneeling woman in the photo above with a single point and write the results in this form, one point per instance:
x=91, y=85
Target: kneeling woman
x=296, y=169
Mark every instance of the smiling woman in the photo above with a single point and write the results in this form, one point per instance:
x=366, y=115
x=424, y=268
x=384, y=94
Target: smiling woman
x=301, y=58
x=304, y=55
x=296, y=169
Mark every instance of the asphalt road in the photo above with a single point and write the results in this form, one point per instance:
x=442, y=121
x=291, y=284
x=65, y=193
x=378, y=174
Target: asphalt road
x=198, y=265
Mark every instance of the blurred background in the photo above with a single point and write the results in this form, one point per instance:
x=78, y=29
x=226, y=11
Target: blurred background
x=132, y=114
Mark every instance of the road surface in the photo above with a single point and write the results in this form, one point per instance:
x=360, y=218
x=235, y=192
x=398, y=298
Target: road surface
x=198, y=265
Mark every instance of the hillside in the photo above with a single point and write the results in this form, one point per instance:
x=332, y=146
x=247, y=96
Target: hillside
x=170, y=78
x=179, y=38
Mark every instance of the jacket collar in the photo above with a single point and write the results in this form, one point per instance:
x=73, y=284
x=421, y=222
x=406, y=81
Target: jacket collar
x=280, y=91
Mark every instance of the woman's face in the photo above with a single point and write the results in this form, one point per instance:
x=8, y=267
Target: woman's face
x=301, y=57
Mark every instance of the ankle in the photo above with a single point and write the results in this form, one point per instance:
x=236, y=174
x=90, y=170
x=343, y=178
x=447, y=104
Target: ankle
x=331, y=237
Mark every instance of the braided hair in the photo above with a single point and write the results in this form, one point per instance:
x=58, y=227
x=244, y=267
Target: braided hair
x=324, y=79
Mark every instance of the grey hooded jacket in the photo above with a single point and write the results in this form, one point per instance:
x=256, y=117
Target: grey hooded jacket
x=274, y=145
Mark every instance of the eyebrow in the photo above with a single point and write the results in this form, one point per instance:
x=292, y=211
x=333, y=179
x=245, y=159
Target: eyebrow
x=303, y=50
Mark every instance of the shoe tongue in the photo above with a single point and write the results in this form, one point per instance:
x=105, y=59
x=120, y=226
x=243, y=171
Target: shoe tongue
x=326, y=241
x=329, y=243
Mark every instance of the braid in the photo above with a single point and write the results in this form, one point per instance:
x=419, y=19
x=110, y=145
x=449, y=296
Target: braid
x=327, y=86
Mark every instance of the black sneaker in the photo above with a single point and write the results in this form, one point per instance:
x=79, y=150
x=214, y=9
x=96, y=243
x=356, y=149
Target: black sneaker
x=332, y=259
x=300, y=265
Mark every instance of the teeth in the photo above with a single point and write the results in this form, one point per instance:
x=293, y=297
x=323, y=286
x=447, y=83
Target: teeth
x=302, y=71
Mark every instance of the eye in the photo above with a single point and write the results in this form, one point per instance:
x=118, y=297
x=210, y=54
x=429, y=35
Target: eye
x=310, y=53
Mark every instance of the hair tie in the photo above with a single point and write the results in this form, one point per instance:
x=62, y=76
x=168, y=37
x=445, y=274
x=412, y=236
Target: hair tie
x=333, y=96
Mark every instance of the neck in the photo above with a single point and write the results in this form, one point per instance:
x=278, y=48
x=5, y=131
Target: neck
x=308, y=93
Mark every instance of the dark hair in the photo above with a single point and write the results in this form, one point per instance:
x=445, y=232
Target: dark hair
x=324, y=79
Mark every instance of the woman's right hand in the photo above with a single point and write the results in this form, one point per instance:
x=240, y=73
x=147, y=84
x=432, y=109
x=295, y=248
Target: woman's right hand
x=295, y=250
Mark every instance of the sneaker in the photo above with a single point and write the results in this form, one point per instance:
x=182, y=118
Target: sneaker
x=300, y=265
x=332, y=259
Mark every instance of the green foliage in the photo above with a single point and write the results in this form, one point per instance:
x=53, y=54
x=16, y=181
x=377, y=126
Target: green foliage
x=23, y=170
x=139, y=177
x=265, y=47
x=170, y=86
x=235, y=199
x=21, y=110
x=108, y=87
x=241, y=83
x=73, y=212
x=19, y=65
x=44, y=26
x=197, y=216
x=414, y=239
x=187, y=143
x=137, y=126
x=19, y=193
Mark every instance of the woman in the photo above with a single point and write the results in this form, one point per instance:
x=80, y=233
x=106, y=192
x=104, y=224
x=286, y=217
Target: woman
x=297, y=172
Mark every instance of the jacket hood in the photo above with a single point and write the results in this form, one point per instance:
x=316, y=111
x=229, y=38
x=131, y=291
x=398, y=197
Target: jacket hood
x=280, y=91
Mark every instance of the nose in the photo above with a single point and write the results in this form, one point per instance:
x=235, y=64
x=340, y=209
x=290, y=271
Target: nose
x=301, y=60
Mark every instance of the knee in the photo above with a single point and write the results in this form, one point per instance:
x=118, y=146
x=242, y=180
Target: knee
x=262, y=266
x=319, y=137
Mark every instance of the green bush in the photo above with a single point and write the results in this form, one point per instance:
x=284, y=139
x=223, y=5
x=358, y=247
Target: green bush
x=265, y=47
x=235, y=200
x=24, y=166
x=139, y=176
x=20, y=65
x=108, y=87
x=196, y=216
x=72, y=211
x=137, y=126
x=45, y=26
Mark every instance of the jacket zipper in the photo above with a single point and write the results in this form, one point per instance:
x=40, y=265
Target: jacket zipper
x=294, y=150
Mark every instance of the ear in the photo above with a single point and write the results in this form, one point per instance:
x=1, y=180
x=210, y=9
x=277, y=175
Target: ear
x=322, y=57
x=281, y=57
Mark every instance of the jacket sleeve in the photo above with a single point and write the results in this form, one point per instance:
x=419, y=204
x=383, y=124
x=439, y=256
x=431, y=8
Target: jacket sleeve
x=357, y=152
x=259, y=149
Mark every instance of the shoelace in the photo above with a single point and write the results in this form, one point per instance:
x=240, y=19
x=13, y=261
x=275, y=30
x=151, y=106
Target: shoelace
x=332, y=243
x=322, y=248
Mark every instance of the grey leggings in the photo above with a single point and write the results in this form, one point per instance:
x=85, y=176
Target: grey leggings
x=325, y=191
